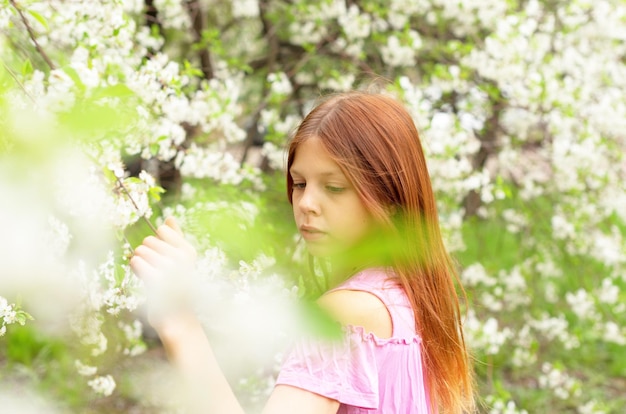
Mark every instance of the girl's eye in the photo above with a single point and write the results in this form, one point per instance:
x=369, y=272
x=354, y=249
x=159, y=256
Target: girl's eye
x=334, y=189
x=298, y=186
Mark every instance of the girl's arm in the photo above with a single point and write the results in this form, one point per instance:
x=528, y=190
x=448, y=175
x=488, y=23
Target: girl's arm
x=157, y=261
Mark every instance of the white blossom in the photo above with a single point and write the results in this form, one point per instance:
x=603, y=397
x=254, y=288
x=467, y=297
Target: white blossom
x=614, y=333
x=476, y=274
x=486, y=336
x=608, y=293
x=559, y=382
x=394, y=53
x=277, y=156
x=590, y=407
x=500, y=406
x=85, y=370
x=582, y=304
x=103, y=385
x=355, y=25
x=245, y=8
x=280, y=84
x=555, y=328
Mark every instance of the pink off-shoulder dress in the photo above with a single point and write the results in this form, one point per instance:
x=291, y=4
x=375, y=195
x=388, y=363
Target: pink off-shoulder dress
x=366, y=374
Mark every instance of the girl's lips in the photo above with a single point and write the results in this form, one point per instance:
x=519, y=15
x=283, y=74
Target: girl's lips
x=311, y=233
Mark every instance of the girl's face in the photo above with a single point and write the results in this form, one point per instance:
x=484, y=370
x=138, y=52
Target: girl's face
x=328, y=211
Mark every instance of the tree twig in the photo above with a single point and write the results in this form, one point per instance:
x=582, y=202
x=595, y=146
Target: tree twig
x=198, y=24
x=31, y=33
x=143, y=216
x=130, y=246
x=8, y=69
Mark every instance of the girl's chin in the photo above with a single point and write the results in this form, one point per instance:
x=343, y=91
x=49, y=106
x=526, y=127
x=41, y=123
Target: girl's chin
x=329, y=251
x=322, y=252
x=332, y=254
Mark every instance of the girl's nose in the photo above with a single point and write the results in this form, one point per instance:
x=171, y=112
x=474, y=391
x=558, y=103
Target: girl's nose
x=309, y=202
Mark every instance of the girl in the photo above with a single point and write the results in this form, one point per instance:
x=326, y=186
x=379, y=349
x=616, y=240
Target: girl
x=363, y=202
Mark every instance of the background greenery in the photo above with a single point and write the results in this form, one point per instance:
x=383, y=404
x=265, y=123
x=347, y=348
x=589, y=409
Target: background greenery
x=520, y=105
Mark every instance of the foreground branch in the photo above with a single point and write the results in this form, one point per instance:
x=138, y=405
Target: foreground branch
x=143, y=216
x=20, y=84
x=31, y=33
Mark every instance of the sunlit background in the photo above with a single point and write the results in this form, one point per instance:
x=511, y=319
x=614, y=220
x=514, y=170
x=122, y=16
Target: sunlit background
x=116, y=114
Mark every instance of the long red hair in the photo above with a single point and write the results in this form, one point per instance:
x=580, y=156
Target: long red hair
x=375, y=142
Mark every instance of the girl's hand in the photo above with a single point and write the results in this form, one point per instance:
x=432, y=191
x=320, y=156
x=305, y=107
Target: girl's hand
x=165, y=262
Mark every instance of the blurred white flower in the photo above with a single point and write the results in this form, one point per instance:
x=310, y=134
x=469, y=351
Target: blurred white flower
x=562, y=385
x=476, y=274
x=582, y=304
x=487, y=336
x=103, y=385
x=85, y=370
x=279, y=83
x=395, y=54
x=614, y=333
x=590, y=407
x=245, y=8
x=555, y=327
x=355, y=25
x=500, y=406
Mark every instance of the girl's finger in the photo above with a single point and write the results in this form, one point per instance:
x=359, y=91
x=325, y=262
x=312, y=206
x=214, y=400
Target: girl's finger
x=171, y=222
x=142, y=269
x=158, y=245
x=152, y=257
x=171, y=236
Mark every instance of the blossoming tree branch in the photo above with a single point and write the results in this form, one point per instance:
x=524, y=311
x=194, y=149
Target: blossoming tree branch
x=116, y=114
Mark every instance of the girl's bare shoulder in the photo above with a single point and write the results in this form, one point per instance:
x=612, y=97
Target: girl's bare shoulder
x=358, y=308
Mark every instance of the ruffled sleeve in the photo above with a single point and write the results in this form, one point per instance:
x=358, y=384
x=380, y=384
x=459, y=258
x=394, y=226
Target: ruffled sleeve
x=344, y=370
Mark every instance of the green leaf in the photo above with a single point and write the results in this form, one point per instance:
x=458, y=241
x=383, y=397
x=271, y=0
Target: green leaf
x=87, y=118
x=133, y=180
x=155, y=193
x=39, y=18
x=21, y=317
x=190, y=70
x=71, y=72
x=154, y=149
x=114, y=91
x=109, y=175
x=27, y=67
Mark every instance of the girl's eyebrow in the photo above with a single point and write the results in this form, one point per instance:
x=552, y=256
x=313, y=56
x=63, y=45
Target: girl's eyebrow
x=322, y=174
